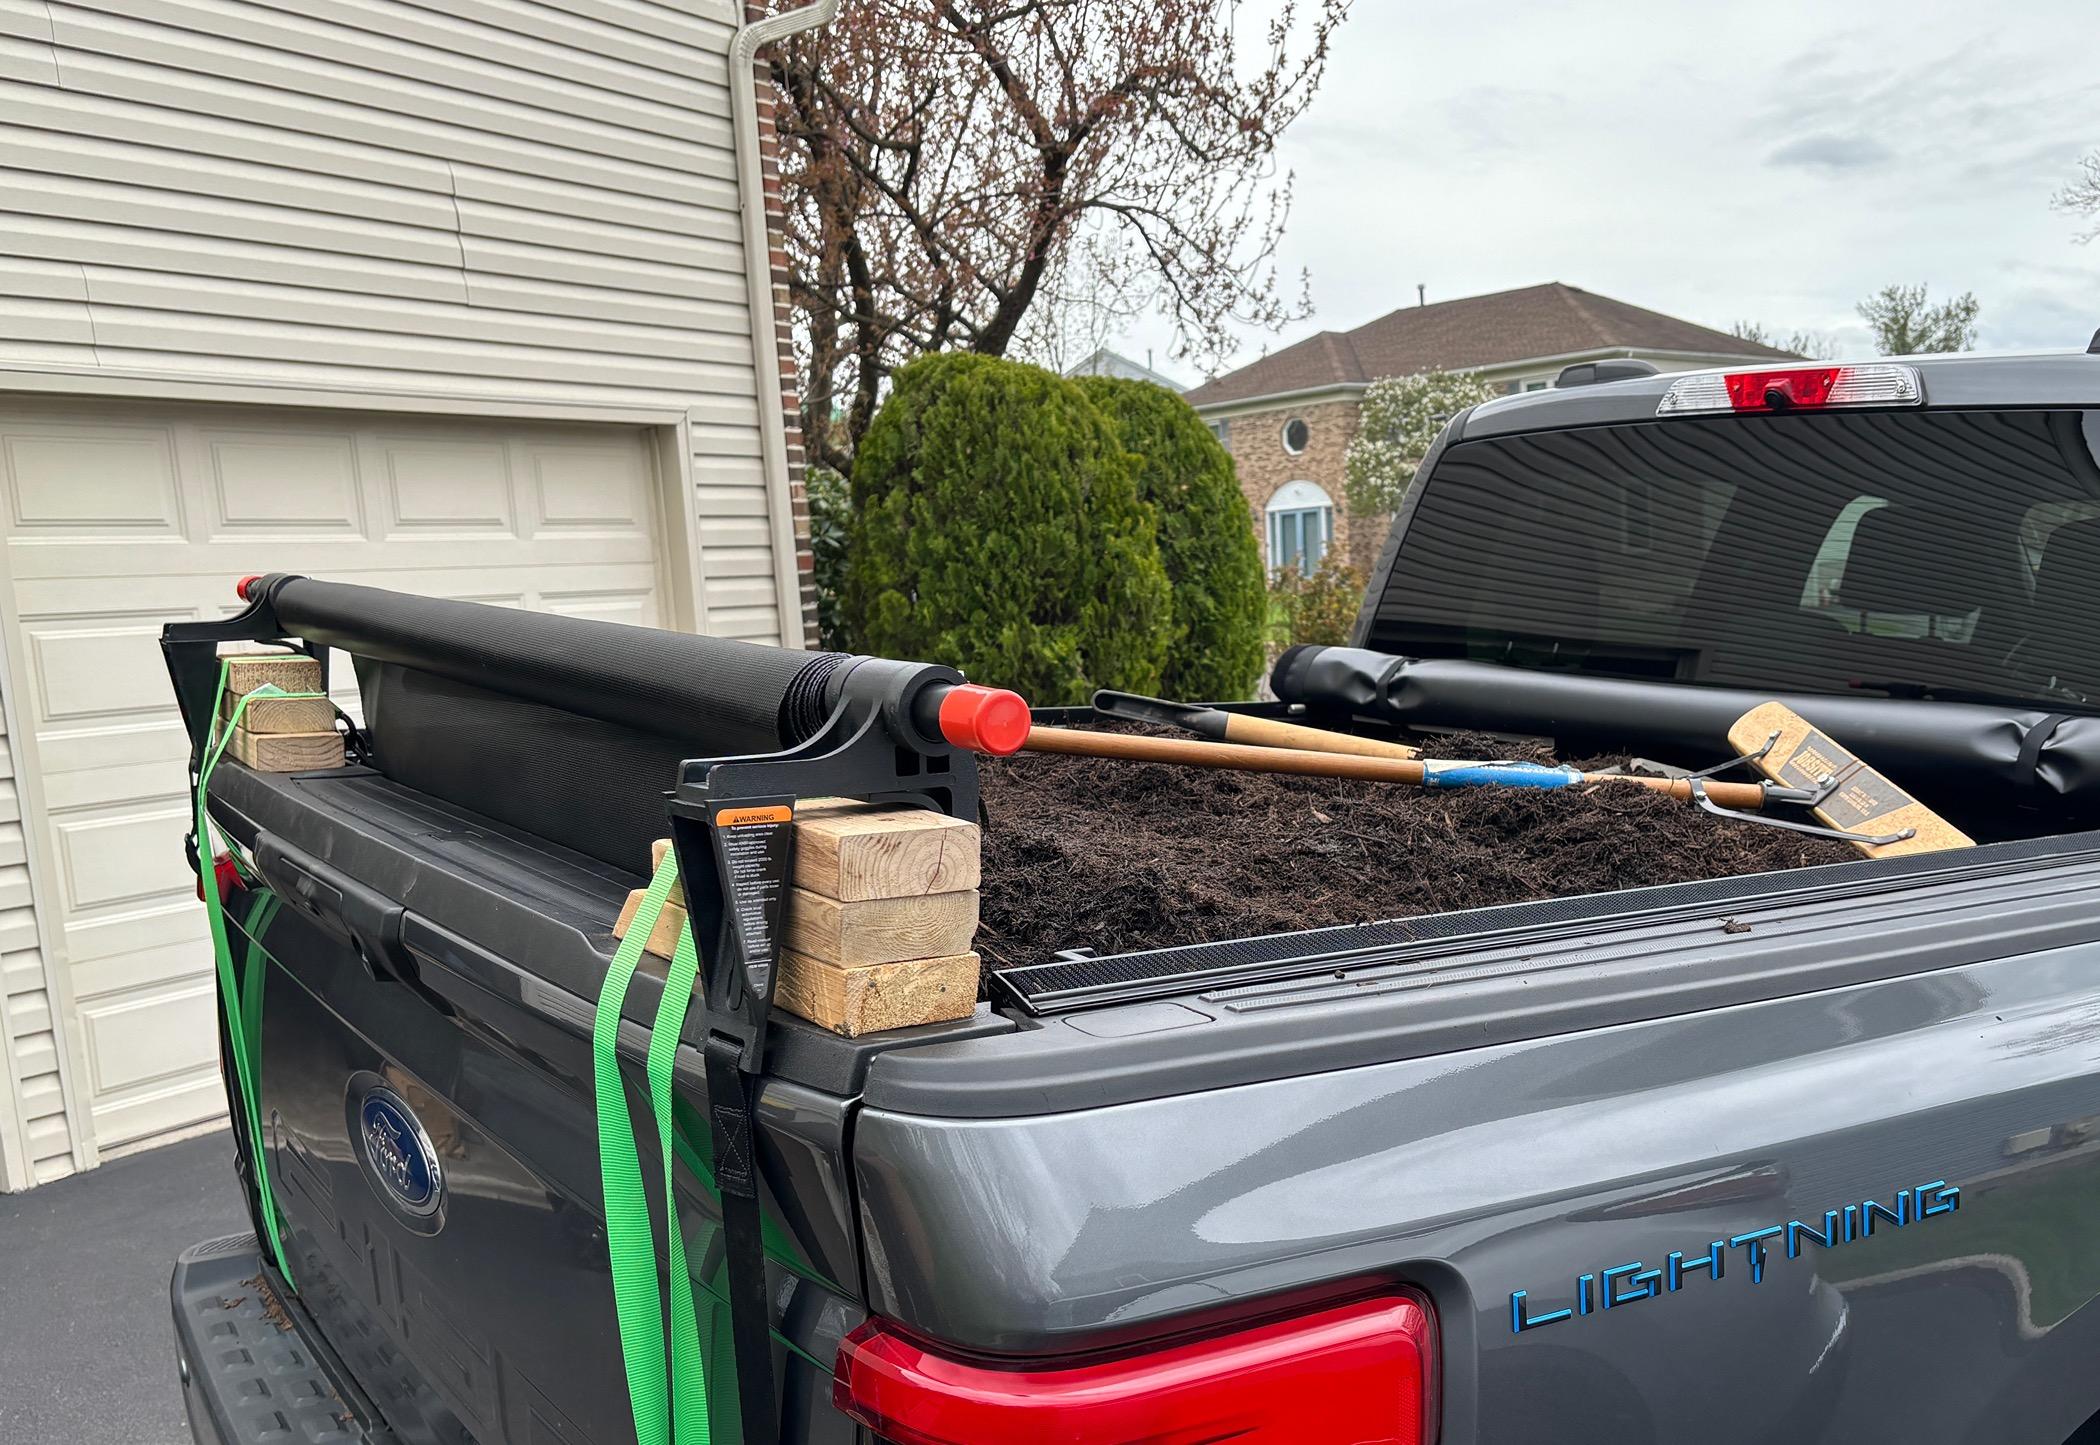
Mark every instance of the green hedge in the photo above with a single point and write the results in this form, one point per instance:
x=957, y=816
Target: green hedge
x=1206, y=539
x=997, y=527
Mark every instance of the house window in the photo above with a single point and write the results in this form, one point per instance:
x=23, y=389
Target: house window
x=1539, y=385
x=1222, y=430
x=1296, y=435
x=1301, y=527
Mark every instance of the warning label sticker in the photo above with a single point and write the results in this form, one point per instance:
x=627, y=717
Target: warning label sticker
x=741, y=817
x=751, y=850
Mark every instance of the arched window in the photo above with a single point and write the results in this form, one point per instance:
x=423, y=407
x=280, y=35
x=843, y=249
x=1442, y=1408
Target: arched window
x=1301, y=526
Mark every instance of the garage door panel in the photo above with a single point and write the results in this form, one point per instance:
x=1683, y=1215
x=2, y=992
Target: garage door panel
x=122, y=857
x=92, y=765
x=152, y=1062
x=435, y=489
x=597, y=490
x=92, y=482
x=633, y=605
x=111, y=936
x=150, y=1037
x=115, y=525
x=182, y=956
x=185, y=571
x=94, y=669
x=278, y=485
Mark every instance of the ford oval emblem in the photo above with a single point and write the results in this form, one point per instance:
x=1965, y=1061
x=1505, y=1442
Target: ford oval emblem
x=397, y=1154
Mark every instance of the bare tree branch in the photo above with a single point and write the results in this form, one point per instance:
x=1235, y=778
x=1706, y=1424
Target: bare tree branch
x=965, y=173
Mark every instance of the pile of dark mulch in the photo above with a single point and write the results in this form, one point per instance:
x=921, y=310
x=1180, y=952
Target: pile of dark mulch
x=1083, y=852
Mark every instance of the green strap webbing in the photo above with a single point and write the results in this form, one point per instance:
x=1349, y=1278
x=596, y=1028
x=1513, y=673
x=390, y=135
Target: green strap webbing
x=240, y=990
x=629, y=1234
x=688, y=1400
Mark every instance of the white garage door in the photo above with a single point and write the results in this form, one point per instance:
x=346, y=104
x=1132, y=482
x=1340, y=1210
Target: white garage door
x=118, y=519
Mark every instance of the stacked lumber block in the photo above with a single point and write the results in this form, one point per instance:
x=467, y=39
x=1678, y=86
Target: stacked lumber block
x=881, y=910
x=280, y=734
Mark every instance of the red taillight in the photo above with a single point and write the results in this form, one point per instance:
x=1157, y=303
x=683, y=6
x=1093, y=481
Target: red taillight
x=1358, y=1374
x=225, y=874
x=1791, y=388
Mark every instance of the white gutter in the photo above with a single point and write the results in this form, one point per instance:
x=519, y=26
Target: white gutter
x=758, y=286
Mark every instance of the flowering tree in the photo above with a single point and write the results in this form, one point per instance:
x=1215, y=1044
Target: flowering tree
x=1401, y=416
x=957, y=172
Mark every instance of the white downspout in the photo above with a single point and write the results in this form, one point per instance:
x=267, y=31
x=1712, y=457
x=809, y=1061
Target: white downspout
x=758, y=283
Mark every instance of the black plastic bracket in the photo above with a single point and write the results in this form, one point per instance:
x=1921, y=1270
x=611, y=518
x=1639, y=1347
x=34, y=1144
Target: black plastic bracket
x=732, y=826
x=870, y=748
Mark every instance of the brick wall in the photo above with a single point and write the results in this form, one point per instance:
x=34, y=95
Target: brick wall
x=784, y=336
x=1264, y=466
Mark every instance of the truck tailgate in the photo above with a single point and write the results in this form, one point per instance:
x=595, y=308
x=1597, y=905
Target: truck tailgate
x=429, y=1114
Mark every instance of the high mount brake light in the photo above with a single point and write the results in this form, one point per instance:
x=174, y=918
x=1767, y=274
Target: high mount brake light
x=1357, y=1374
x=1793, y=388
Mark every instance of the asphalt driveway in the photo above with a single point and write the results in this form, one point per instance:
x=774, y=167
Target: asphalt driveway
x=84, y=1266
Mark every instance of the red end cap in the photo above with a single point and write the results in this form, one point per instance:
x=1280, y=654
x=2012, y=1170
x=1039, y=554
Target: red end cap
x=985, y=719
x=240, y=588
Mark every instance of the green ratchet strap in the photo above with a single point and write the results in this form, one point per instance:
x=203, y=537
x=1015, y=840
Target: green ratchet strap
x=667, y=1408
x=240, y=990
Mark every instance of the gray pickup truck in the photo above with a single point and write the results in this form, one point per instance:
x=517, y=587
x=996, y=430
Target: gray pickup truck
x=1806, y=1156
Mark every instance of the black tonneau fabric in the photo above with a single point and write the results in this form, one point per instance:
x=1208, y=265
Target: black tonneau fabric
x=722, y=697
x=569, y=729
x=1979, y=762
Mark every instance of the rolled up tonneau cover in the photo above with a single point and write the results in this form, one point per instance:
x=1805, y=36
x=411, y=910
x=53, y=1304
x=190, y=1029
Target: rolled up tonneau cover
x=1986, y=764
x=732, y=696
x=565, y=727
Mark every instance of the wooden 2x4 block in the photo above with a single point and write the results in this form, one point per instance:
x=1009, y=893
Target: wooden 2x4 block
x=282, y=714
x=289, y=671
x=879, y=918
x=880, y=930
x=854, y=852
x=871, y=997
x=287, y=752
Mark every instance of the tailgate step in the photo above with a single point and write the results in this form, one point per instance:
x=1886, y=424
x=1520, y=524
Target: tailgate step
x=249, y=1374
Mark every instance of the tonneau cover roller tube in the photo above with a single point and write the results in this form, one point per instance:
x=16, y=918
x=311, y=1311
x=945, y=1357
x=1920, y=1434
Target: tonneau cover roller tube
x=586, y=733
x=1977, y=761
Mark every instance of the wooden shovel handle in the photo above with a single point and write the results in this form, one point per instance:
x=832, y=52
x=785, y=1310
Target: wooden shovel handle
x=1750, y=796
x=1192, y=753
x=1270, y=732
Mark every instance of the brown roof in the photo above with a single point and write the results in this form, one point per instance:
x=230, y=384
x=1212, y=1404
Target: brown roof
x=1499, y=329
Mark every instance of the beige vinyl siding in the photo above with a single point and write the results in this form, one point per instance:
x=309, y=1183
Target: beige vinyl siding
x=488, y=198
x=27, y=1017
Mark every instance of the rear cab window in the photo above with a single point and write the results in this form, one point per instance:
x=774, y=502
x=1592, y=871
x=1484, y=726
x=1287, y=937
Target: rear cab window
x=1915, y=553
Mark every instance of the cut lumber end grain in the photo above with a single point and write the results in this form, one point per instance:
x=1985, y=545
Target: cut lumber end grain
x=869, y=998
x=657, y=850
x=880, y=930
x=856, y=853
x=287, y=752
x=282, y=714
x=663, y=938
x=292, y=671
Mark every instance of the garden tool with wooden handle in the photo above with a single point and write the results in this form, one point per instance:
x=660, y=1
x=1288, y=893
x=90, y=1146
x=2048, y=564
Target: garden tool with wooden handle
x=1239, y=727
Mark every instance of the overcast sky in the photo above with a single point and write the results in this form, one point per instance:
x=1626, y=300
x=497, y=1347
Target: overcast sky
x=1772, y=161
